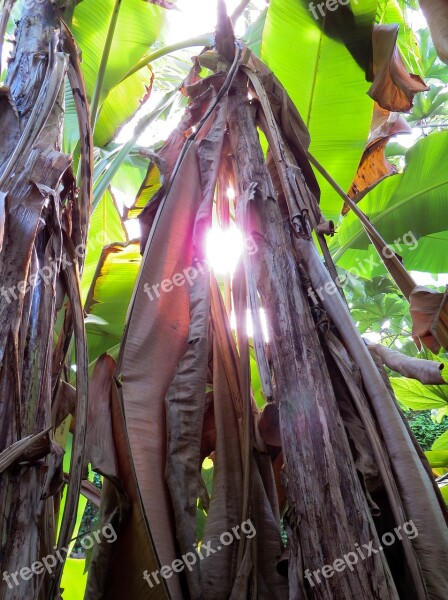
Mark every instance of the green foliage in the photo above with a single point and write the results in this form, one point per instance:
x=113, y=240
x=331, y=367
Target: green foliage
x=110, y=298
x=413, y=394
x=105, y=227
x=411, y=204
x=138, y=25
x=378, y=308
x=428, y=105
x=326, y=84
x=74, y=579
x=432, y=66
x=393, y=11
x=425, y=429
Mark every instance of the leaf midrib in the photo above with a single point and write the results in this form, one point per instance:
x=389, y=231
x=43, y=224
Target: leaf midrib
x=316, y=67
x=384, y=214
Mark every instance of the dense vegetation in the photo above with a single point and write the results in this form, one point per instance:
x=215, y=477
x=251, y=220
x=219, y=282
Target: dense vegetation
x=111, y=368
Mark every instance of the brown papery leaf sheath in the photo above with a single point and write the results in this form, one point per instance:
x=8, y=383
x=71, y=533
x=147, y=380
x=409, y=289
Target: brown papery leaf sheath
x=350, y=466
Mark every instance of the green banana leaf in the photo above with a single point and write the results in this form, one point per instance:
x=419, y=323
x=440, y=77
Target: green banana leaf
x=74, y=579
x=409, y=207
x=138, y=26
x=105, y=228
x=441, y=442
x=391, y=11
x=325, y=82
x=109, y=296
x=437, y=458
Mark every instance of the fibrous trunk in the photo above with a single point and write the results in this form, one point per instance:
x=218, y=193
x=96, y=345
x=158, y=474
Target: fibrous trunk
x=350, y=468
x=43, y=223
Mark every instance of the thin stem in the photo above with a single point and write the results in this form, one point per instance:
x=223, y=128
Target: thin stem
x=390, y=260
x=238, y=11
x=104, y=182
x=434, y=125
x=203, y=40
x=104, y=59
x=5, y=13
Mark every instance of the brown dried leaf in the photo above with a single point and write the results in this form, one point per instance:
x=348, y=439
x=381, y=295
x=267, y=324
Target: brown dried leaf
x=436, y=13
x=266, y=548
x=63, y=404
x=374, y=166
x=185, y=398
x=121, y=508
x=393, y=87
x=91, y=492
x=71, y=277
x=2, y=217
x=269, y=425
x=426, y=371
x=33, y=446
x=287, y=117
x=158, y=328
x=100, y=448
x=76, y=80
x=225, y=510
x=203, y=94
x=429, y=312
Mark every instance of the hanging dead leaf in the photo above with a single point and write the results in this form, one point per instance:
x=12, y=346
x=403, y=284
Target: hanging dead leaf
x=393, y=87
x=429, y=372
x=374, y=166
x=429, y=312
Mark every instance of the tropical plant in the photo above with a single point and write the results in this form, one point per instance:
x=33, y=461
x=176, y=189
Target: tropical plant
x=197, y=428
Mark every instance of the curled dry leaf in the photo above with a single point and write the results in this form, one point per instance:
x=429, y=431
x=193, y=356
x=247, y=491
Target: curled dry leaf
x=269, y=425
x=429, y=312
x=374, y=166
x=393, y=87
x=427, y=372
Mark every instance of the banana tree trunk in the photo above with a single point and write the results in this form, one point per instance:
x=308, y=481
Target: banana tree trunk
x=37, y=190
x=328, y=510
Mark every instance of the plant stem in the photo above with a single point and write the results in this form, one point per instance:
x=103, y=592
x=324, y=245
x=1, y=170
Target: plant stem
x=4, y=17
x=104, y=182
x=203, y=40
x=238, y=11
x=102, y=70
x=398, y=272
